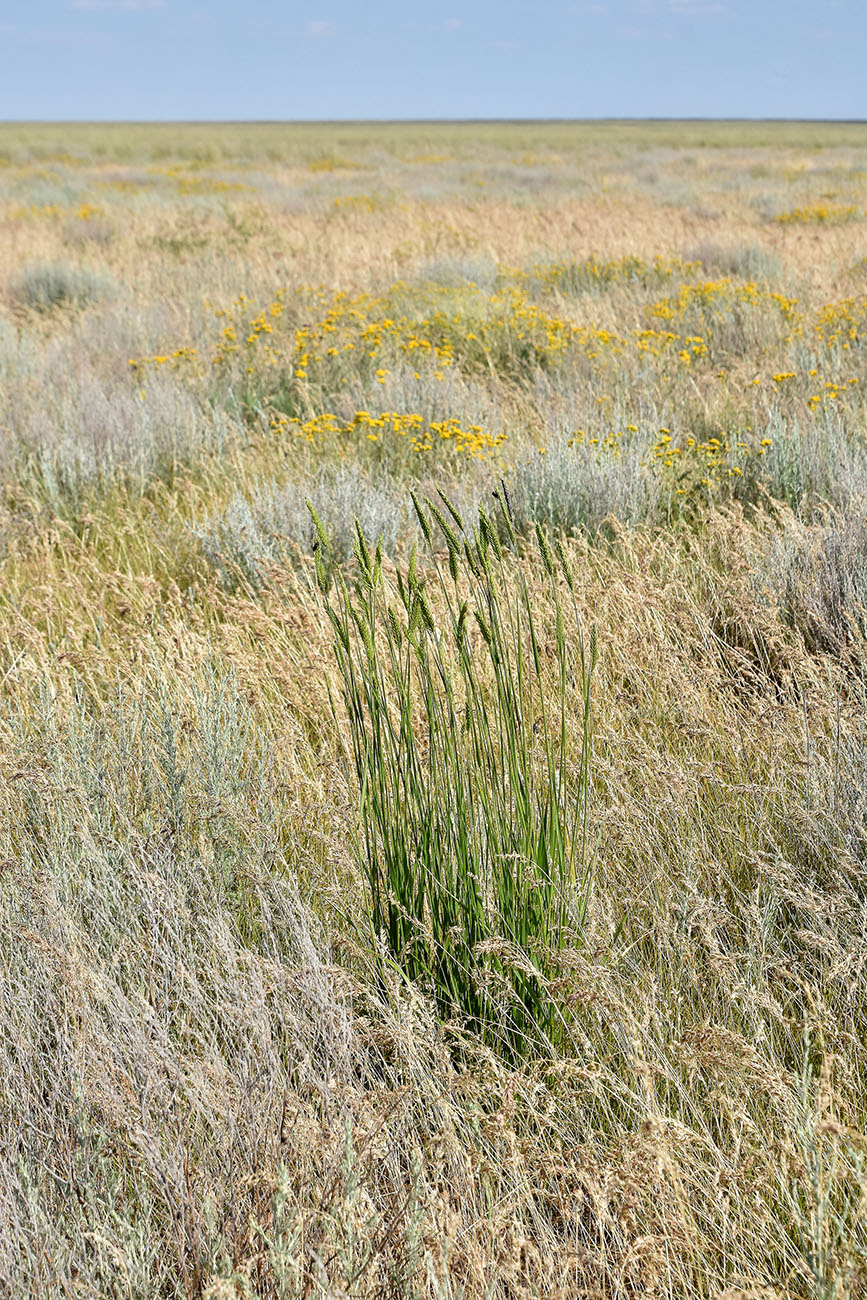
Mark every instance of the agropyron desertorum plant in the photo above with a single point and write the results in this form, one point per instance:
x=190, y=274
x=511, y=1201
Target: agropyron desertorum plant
x=469, y=707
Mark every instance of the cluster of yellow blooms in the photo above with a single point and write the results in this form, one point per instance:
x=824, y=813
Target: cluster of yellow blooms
x=45, y=211
x=247, y=333
x=498, y=332
x=713, y=459
x=481, y=332
x=843, y=324
x=178, y=358
x=185, y=183
x=658, y=343
x=574, y=276
x=611, y=441
x=705, y=464
x=829, y=392
x=503, y=331
x=433, y=328
x=35, y=211
x=819, y=214
x=714, y=297
x=421, y=435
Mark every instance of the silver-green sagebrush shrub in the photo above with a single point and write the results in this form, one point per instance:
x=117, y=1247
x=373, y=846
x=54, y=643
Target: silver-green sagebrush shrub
x=573, y=489
x=272, y=525
x=470, y=720
x=44, y=287
x=745, y=261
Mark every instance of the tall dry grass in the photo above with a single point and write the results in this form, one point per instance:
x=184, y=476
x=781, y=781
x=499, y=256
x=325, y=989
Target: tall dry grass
x=218, y=1078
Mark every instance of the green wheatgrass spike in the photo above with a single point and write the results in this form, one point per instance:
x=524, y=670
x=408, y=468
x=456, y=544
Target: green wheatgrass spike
x=488, y=531
x=445, y=527
x=462, y=623
x=422, y=519
x=415, y=615
x=402, y=590
x=364, y=631
x=485, y=530
x=319, y=526
x=545, y=550
x=394, y=627
x=484, y=556
x=323, y=578
x=370, y=649
x=508, y=511
x=495, y=541
x=362, y=551
x=483, y=627
x=564, y=563
x=427, y=612
x=470, y=557
x=412, y=574
x=359, y=556
x=451, y=509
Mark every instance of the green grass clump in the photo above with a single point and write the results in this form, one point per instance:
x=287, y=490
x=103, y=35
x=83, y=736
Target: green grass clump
x=45, y=287
x=473, y=791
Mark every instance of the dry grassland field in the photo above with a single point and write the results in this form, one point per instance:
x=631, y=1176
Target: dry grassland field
x=457, y=891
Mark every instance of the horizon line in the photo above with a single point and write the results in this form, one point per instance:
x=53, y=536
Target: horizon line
x=433, y=121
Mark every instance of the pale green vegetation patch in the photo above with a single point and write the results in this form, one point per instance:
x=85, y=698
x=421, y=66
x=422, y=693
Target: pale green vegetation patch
x=45, y=287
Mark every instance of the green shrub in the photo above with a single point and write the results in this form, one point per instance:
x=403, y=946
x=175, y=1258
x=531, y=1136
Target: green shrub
x=473, y=782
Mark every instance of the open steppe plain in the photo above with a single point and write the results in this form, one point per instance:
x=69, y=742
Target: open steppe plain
x=513, y=942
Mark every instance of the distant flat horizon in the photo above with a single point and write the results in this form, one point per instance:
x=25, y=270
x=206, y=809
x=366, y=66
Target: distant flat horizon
x=429, y=121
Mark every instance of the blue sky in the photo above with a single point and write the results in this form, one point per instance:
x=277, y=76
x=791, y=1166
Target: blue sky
x=266, y=59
